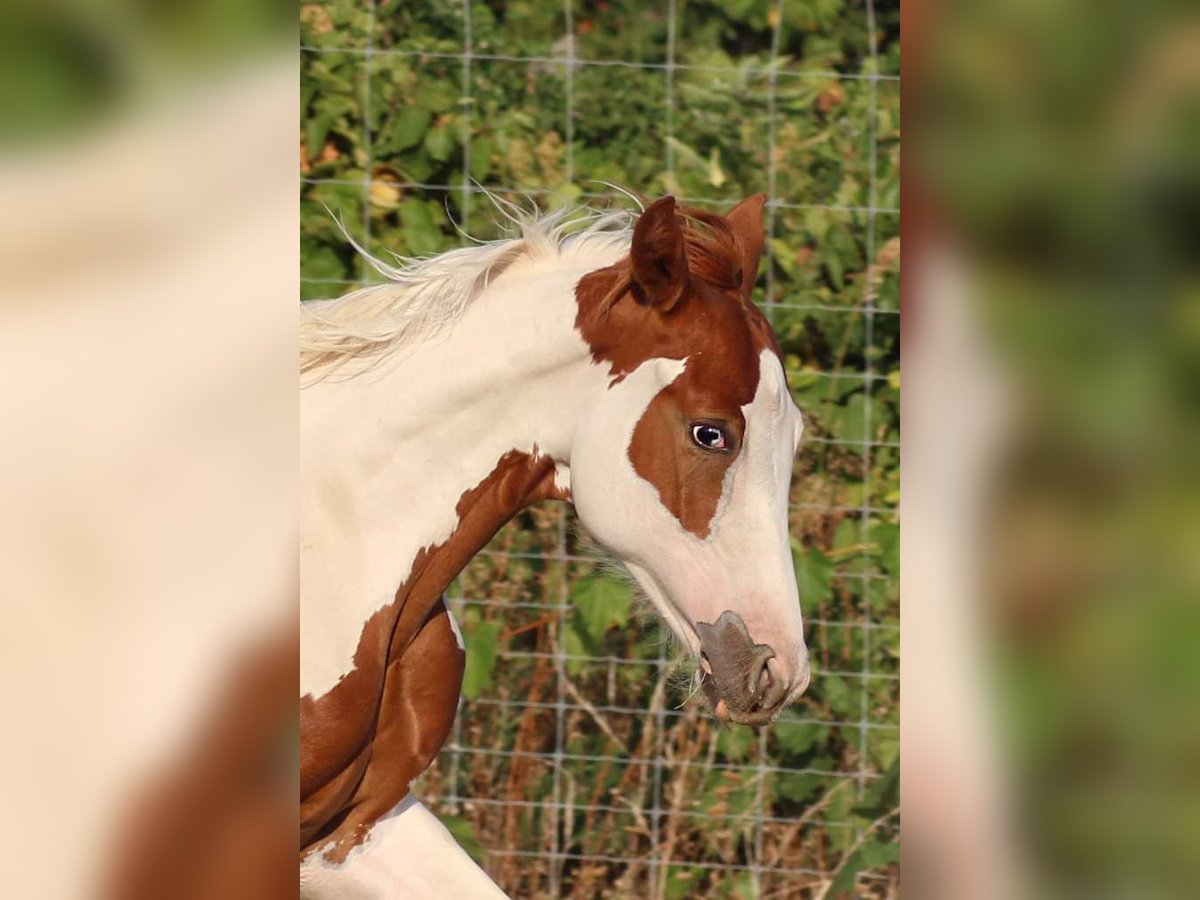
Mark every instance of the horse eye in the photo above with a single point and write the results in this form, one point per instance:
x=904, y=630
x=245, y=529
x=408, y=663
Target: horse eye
x=710, y=437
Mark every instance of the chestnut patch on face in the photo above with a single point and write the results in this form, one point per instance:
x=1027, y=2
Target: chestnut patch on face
x=689, y=479
x=684, y=293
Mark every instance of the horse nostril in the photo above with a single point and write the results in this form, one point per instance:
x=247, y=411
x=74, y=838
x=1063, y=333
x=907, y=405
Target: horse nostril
x=761, y=679
x=771, y=685
x=764, y=682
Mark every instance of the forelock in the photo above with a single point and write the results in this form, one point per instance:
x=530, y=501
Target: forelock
x=714, y=252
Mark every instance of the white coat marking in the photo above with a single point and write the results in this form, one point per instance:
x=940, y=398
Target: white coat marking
x=458, y=635
x=409, y=853
x=386, y=456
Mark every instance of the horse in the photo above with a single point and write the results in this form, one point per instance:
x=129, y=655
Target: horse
x=617, y=363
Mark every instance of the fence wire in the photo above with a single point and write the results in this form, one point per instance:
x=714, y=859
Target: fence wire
x=580, y=770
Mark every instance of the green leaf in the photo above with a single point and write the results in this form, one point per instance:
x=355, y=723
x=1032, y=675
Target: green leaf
x=879, y=853
x=798, y=738
x=848, y=534
x=833, y=266
x=566, y=194
x=481, y=157
x=482, y=651
x=316, y=130
x=885, y=751
x=743, y=887
x=799, y=788
x=816, y=223
x=437, y=95
x=883, y=793
x=814, y=573
x=600, y=603
x=843, y=883
x=849, y=419
x=321, y=262
x=411, y=125
x=420, y=234
x=682, y=882
x=838, y=694
x=735, y=743
x=439, y=142
x=886, y=535
x=577, y=645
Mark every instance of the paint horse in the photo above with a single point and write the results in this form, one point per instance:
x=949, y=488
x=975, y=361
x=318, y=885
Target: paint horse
x=623, y=369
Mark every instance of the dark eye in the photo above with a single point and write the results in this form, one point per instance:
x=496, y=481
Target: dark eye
x=710, y=437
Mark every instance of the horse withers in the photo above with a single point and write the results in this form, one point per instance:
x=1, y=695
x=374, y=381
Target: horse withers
x=622, y=368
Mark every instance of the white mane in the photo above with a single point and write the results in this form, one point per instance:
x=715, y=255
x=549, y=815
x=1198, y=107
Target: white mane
x=423, y=296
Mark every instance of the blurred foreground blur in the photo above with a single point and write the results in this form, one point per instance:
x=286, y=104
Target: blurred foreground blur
x=148, y=268
x=1051, y=736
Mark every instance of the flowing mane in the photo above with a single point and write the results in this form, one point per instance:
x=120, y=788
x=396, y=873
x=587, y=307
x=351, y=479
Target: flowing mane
x=422, y=296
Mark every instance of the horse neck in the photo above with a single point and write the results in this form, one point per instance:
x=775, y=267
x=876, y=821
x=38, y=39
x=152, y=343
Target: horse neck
x=410, y=468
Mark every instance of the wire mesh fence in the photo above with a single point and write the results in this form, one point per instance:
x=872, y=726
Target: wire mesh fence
x=579, y=766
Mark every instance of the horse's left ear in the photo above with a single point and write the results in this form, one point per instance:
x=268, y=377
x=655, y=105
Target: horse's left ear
x=746, y=220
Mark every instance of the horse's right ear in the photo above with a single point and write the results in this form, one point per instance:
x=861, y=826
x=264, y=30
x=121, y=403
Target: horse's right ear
x=746, y=220
x=660, y=272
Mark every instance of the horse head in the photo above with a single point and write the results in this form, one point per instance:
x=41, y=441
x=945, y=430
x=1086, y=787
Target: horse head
x=681, y=465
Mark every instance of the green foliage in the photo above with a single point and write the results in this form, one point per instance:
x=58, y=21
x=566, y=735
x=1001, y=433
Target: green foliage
x=814, y=572
x=482, y=651
x=598, y=604
x=391, y=143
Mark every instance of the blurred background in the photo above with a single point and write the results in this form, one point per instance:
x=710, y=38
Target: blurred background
x=1052, y=200
x=577, y=767
x=148, y=281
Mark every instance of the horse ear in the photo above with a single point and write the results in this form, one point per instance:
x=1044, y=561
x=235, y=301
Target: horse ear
x=660, y=272
x=746, y=220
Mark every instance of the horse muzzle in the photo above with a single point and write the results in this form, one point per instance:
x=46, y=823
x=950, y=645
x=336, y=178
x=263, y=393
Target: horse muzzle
x=745, y=682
